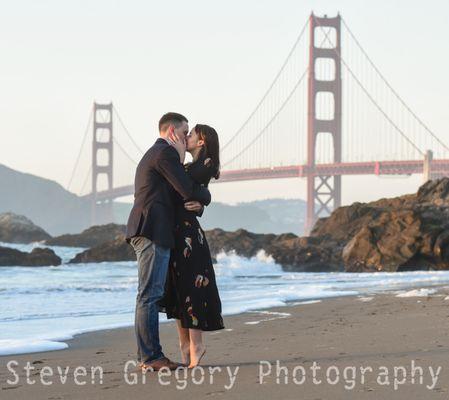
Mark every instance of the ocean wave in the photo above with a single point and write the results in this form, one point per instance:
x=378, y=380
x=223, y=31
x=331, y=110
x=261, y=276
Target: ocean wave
x=41, y=308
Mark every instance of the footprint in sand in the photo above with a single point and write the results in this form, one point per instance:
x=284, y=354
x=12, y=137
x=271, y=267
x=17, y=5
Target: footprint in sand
x=10, y=387
x=214, y=393
x=110, y=387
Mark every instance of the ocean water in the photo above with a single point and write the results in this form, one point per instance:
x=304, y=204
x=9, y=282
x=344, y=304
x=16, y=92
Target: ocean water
x=42, y=307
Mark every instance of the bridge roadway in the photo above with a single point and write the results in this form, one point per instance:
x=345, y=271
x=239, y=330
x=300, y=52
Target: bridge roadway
x=407, y=167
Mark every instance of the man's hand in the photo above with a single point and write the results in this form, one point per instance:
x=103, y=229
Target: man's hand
x=193, y=206
x=179, y=145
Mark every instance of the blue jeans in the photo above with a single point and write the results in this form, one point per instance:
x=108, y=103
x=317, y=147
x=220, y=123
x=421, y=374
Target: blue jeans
x=152, y=261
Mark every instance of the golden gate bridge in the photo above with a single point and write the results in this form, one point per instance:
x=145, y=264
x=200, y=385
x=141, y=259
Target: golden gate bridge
x=327, y=113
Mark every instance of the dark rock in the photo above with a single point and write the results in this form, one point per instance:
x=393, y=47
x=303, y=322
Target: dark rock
x=91, y=237
x=408, y=232
x=19, y=229
x=244, y=243
x=293, y=253
x=38, y=257
x=115, y=250
x=306, y=254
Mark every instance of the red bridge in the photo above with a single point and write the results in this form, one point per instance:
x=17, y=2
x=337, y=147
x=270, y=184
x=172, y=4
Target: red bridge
x=327, y=113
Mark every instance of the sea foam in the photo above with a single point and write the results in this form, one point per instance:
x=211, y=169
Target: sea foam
x=43, y=307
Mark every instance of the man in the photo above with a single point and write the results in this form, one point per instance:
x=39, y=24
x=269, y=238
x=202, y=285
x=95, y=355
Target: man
x=150, y=229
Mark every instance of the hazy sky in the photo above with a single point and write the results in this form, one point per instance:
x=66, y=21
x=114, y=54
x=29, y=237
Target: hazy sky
x=211, y=60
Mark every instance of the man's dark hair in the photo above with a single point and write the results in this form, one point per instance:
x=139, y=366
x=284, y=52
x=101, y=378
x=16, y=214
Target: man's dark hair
x=171, y=118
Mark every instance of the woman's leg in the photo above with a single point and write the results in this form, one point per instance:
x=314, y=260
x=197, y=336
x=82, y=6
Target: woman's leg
x=197, y=348
x=184, y=342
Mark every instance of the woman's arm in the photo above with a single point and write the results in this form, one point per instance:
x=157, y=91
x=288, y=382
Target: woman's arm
x=201, y=171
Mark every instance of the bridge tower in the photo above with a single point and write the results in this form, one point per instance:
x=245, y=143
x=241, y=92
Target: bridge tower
x=323, y=189
x=102, y=142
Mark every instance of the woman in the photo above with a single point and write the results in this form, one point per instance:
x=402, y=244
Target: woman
x=191, y=293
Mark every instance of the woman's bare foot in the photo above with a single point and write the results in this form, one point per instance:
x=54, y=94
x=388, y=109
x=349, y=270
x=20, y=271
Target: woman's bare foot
x=185, y=353
x=196, y=355
x=184, y=342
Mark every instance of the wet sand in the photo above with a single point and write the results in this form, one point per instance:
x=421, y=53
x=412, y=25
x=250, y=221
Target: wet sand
x=385, y=336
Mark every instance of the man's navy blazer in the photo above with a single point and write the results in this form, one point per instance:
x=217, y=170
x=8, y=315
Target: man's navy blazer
x=158, y=174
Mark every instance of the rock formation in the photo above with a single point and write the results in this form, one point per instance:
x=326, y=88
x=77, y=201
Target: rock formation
x=19, y=229
x=37, y=258
x=403, y=233
x=91, y=237
x=115, y=250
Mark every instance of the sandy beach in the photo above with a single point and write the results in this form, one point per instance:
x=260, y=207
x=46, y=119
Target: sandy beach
x=311, y=350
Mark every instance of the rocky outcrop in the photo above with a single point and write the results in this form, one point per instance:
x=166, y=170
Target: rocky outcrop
x=293, y=253
x=91, y=237
x=115, y=250
x=19, y=229
x=402, y=233
x=307, y=254
x=38, y=257
x=244, y=243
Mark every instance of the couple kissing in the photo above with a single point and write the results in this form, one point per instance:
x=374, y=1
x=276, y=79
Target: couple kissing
x=175, y=270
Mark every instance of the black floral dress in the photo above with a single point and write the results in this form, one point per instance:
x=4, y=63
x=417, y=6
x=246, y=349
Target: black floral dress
x=191, y=293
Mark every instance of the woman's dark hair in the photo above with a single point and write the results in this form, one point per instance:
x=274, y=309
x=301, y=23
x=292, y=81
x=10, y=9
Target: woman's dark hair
x=211, y=148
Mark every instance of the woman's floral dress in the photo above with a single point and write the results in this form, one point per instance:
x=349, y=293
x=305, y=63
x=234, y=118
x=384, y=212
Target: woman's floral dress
x=191, y=293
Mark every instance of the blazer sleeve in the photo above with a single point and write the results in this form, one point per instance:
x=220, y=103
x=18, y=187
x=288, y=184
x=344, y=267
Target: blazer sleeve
x=170, y=167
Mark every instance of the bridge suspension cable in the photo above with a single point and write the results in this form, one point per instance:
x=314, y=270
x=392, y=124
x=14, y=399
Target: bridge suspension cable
x=265, y=128
x=85, y=180
x=374, y=122
x=395, y=126
x=124, y=151
x=281, y=107
x=396, y=94
x=86, y=131
x=243, y=126
x=116, y=142
x=127, y=131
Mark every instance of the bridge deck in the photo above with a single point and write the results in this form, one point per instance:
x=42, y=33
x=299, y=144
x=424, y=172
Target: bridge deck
x=407, y=167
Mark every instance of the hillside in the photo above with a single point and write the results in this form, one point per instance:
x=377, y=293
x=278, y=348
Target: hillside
x=42, y=200
x=263, y=216
x=59, y=211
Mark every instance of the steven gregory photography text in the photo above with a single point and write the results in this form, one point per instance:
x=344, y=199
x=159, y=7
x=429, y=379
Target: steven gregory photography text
x=268, y=372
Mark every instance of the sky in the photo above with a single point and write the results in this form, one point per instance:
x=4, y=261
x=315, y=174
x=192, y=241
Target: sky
x=210, y=60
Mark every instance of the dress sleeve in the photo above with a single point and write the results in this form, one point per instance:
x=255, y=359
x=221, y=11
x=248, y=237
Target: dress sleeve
x=202, y=171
